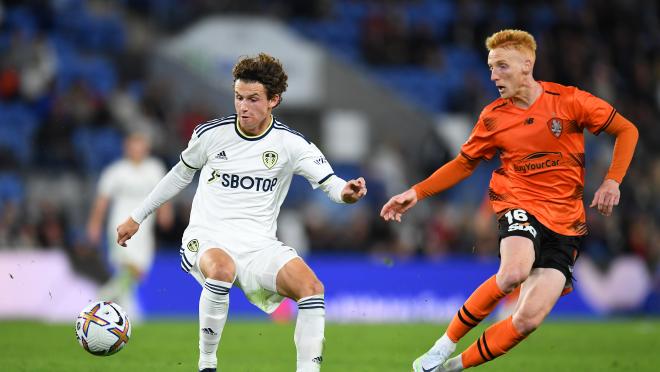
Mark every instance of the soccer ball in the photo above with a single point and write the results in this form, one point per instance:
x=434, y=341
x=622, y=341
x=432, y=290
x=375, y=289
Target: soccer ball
x=102, y=328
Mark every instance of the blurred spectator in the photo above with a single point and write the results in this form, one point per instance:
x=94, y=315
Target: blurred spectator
x=122, y=186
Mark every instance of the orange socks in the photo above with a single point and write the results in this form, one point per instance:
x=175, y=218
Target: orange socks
x=495, y=341
x=482, y=301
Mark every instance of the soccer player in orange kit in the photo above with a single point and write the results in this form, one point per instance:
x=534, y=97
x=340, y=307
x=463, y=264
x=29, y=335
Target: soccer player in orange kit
x=537, y=129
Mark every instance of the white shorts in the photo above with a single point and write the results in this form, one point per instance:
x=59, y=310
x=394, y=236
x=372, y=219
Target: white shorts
x=139, y=251
x=256, y=271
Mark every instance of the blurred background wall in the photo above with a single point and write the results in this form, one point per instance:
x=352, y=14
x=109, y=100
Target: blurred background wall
x=387, y=89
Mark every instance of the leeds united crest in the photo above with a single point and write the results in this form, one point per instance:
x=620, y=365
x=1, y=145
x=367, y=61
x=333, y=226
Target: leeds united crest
x=193, y=245
x=269, y=158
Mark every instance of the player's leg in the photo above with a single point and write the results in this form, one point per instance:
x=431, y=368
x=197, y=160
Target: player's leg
x=140, y=257
x=298, y=282
x=129, y=264
x=538, y=296
x=219, y=271
x=517, y=257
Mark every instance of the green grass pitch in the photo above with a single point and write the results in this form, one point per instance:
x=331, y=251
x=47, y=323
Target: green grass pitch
x=262, y=346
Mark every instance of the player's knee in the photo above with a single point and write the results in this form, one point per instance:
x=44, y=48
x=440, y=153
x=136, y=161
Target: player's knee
x=510, y=279
x=220, y=271
x=311, y=288
x=526, y=323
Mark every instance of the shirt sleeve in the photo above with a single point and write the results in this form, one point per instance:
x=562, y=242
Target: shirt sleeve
x=174, y=181
x=194, y=156
x=447, y=176
x=480, y=144
x=624, y=147
x=311, y=164
x=594, y=113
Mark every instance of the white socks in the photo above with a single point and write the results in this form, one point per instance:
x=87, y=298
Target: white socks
x=443, y=345
x=454, y=364
x=308, y=337
x=213, y=308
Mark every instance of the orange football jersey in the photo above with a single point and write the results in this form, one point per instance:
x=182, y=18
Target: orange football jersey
x=542, y=153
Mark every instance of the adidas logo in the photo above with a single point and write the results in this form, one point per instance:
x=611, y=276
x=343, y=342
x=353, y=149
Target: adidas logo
x=208, y=331
x=221, y=155
x=318, y=360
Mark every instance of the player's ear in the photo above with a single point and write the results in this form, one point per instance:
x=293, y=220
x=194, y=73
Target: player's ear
x=273, y=102
x=527, y=66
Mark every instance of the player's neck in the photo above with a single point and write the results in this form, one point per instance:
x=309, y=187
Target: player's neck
x=528, y=93
x=258, y=129
x=135, y=161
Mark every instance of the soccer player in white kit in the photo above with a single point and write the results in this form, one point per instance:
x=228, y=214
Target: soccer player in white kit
x=246, y=162
x=122, y=185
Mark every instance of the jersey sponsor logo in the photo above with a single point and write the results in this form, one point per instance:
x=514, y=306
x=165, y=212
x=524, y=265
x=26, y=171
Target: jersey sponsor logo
x=221, y=155
x=556, y=126
x=537, y=161
x=525, y=226
x=320, y=160
x=193, y=245
x=519, y=221
x=235, y=181
x=269, y=158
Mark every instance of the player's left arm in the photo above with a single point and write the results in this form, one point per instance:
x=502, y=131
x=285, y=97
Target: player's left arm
x=607, y=195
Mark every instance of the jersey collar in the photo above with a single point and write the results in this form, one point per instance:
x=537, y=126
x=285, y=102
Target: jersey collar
x=247, y=137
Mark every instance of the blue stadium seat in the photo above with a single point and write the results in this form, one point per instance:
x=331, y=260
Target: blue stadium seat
x=98, y=147
x=353, y=11
x=11, y=188
x=17, y=127
x=20, y=18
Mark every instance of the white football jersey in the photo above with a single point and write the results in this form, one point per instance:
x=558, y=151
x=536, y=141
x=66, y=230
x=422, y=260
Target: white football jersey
x=244, y=179
x=126, y=184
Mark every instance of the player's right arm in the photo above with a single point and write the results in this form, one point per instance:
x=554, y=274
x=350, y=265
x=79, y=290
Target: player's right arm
x=180, y=176
x=107, y=186
x=447, y=176
x=95, y=223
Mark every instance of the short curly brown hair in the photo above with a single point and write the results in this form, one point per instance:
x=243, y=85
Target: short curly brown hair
x=264, y=69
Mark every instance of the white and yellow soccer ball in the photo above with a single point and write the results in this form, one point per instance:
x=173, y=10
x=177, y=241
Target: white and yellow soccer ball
x=103, y=328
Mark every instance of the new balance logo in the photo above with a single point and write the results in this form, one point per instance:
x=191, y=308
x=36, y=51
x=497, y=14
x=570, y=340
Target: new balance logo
x=208, y=331
x=318, y=360
x=221, y=155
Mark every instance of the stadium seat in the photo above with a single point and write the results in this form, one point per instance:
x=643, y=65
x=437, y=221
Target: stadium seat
x=98, y=147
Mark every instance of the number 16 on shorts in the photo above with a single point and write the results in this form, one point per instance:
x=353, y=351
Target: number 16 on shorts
x=518, y=220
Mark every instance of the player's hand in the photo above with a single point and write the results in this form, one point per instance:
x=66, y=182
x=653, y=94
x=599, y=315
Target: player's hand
x=398, y=205
x=354, y=190
x=606, y=197
x=126, y=230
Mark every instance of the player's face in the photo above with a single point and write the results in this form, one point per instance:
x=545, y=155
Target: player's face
x=253, y=106
x=508, y=68
x=136, y=147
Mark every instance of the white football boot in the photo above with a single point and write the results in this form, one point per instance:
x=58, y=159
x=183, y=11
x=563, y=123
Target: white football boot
x=435, y=357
